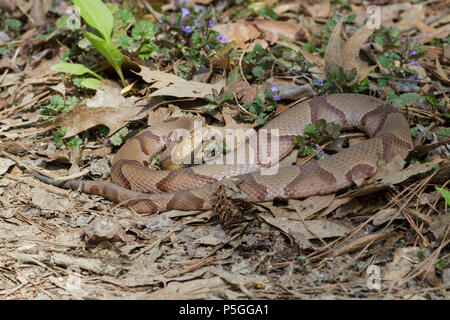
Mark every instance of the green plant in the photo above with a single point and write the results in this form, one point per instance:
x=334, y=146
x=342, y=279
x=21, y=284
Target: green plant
x=444, y=193
x=257, y=63
x=72, y=142
x=263, y=108
x=217, y=100
x=117, y=138
x=57, y=106
x=342, y=82
x=97, y=15
x=78, y=70
x=314, y=135
x=186, y=35
x=399, y=59
x=405, y=99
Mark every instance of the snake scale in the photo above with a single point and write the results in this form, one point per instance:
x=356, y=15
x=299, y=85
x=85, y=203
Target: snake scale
x=149, y=191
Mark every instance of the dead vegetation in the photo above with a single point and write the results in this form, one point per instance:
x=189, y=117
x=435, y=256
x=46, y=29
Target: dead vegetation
x=59, y=244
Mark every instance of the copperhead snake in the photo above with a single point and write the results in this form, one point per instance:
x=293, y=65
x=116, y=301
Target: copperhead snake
x=148, y=191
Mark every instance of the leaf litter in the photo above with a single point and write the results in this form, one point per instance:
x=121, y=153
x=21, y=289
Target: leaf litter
x=275, y=250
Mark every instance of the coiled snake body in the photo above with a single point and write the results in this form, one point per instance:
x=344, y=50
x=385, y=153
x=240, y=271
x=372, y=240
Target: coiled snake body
x=146, y=190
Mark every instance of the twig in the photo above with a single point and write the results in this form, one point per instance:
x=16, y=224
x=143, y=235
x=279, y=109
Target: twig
x=42, y=171
x=242, y=108
x=10, y=110
x=240, y=64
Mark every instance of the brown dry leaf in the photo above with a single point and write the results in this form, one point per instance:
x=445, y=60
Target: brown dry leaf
x=361, y=242
x=443, y=75
x=391, y=177
x=5, y=163
x=314, y=229
x=243, y=91
x=273, y=30
x=171, y=85
x=347, y=56
x=409, y=17
x=108, y=95
x=104, y=229
x=230, y=123
x=351, y=207
x=284, y=7
x=403, y=262
x=386, y=171
x=337, y=203
x=447, y=51
x=439, y=33
x=46, y=200
x=240, y=32
x=385, y=215
x=289, y=90
x=81, y=118
x=411, y=171
x=309, y=206
x=193, y=289
x=315, y=60
x=318, y=10
x=440, y=226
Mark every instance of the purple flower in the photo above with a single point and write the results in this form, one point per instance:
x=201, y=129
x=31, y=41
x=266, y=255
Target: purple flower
x=187, y=29
x=222, y=38
x=413, y=53
x=185, y=12
x=276, y=97
x=202, y=9
x=415, y=63
x=274, y=89
x=319, y=83
x=211, y=23
x=196, y=24
x=317, y=148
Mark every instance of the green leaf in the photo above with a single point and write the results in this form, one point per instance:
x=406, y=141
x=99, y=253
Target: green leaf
x=91, y=83
x=259, y=101
x=110, y=52
x=148, y=50
x=406, y=99
x=309, y=46
x=233, y=76
x=409, y=98
x=74, y=142
x=443, y=132
x=117, y=138
x=125, y=16
x=385, y=62
x=97, y=15
x=73, y=68
x=13, y=23
x=227, y=97
x=310, y=130
x=258, y=72
x=144, y=29
x=127, y=43
x=58, y=135
x=414, y=132
x=444, y=193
